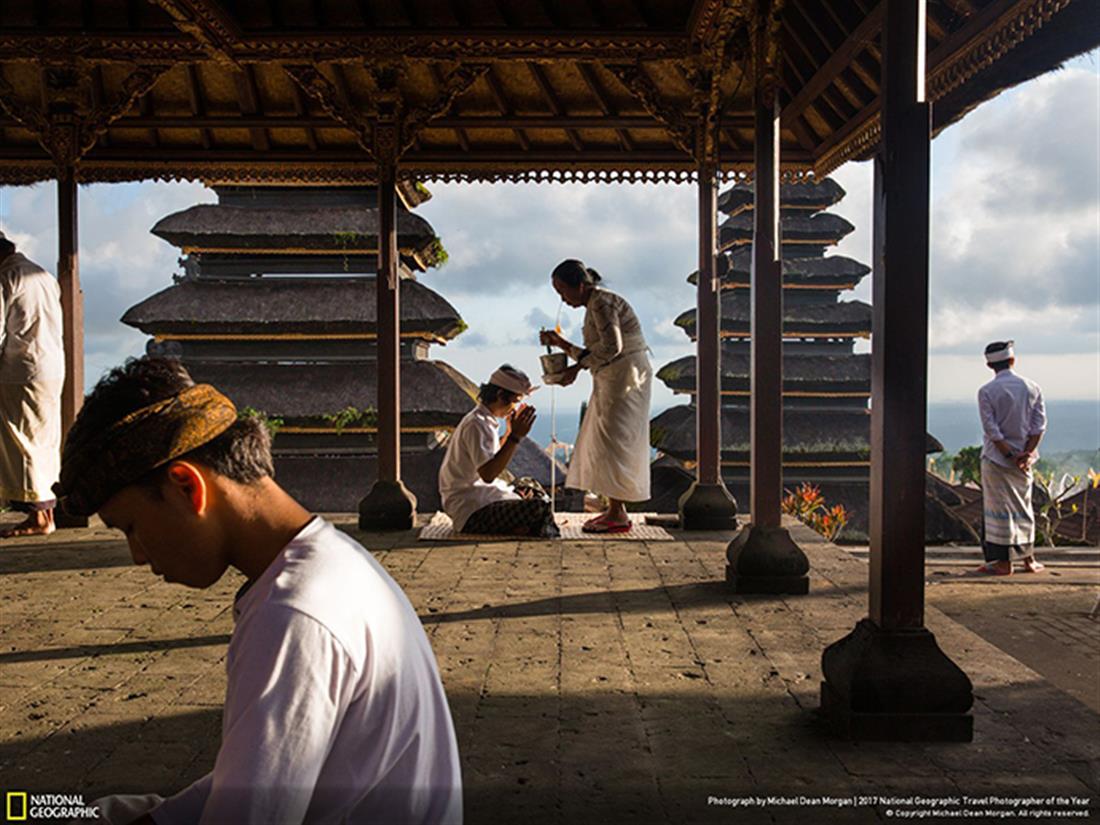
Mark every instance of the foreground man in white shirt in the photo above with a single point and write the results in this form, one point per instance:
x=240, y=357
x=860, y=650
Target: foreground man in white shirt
x=334, y=709
x=1013, y=422
x=473, y=495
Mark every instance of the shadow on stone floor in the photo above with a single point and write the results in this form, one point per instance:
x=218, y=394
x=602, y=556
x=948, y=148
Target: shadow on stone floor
x=48, y=555
x=116, y=648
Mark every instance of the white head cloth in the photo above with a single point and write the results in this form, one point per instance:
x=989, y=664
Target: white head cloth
x=513, y=380
x=1002, y=354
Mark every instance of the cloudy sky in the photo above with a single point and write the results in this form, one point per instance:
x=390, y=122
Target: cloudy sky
x=1015, y=254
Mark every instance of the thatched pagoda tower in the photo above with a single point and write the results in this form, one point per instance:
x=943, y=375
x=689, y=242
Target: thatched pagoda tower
x=826, y=384
x=276, y=307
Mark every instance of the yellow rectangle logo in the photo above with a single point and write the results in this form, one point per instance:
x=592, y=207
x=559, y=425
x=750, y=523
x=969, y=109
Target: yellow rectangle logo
x=19, y=797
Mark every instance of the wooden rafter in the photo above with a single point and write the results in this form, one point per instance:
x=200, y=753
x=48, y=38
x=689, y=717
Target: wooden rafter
x=450, y=88
x=198, y=104
x=866, y=31
x=207, y=23
x=593, y=83
x=497, y=91
x=248, y=99
x=552, y=101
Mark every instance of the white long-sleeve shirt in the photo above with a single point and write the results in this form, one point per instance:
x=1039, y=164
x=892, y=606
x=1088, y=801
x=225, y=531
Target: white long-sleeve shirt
x=1011, y=410
x=611, y=330
x=30, y=323
x=334, y=709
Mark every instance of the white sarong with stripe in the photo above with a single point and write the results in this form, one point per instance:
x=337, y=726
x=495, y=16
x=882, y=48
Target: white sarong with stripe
x=1006, y=504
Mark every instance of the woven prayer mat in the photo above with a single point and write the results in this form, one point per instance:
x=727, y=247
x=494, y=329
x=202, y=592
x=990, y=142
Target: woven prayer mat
x=441, y=529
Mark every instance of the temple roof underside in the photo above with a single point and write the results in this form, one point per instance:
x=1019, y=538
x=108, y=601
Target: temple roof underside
x=264, y=91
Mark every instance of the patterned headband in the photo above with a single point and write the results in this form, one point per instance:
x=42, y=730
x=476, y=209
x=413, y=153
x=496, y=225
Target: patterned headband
x=96, y=467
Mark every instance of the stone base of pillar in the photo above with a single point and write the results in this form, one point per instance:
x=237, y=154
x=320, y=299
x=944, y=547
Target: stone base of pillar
x=388, y=506
x=767, y=560
x=708, y=507
x=895, y=686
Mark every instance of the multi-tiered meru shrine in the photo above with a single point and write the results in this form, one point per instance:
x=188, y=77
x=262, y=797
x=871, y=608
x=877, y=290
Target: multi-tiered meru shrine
x=826, y=384
x=276, y=307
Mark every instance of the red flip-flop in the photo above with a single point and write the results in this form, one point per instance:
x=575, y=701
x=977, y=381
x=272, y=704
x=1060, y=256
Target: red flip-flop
x=988, y=569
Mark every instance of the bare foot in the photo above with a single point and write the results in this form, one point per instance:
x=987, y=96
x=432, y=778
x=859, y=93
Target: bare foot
x=38, y=523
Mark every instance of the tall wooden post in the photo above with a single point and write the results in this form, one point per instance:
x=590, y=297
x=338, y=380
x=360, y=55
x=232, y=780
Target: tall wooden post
x=763, y=558
x=707, y=504
x=888, y=679
x=72, y=297
x=389, y=505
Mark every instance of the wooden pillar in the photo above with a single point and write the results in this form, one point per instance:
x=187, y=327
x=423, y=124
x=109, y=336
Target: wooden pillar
x=766, y=360
x=708, y=505
x=888, y=679
x=72, y=297
x=763, y=558
x=708, y=397
x=389, y=505
x=387, y=289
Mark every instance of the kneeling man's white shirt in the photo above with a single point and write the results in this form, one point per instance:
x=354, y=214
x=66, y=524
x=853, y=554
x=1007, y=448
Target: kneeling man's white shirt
x=474, y=442
x=334, y=711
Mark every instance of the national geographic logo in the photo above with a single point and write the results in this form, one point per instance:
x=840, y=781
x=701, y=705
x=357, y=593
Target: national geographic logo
x=21, y=806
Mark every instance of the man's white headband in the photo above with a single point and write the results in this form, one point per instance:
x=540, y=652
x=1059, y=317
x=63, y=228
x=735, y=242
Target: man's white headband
x=513, y=381
x=1002, y=354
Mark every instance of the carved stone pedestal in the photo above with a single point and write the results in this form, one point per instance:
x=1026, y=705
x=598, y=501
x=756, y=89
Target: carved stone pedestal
x=388, y=506
x=766, y=560
x=708, y=507
x=895, y=685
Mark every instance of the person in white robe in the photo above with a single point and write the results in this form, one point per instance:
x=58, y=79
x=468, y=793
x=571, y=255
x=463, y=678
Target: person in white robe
x=32, y=372
x=1013, y=420
x=612, y=452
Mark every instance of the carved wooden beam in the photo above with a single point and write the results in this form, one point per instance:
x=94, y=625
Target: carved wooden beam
x=208, y=23
x=454, y=85
x=679, y=124
x=67, y=128
x=321, y=89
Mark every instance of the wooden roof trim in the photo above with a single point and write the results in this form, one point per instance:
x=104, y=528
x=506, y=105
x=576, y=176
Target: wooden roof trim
x=207, y=23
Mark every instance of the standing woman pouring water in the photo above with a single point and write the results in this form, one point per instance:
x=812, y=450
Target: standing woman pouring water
x=611, y=457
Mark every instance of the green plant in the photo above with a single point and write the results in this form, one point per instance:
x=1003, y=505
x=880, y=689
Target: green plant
x=273, y=425
x=968, y=465
x=807, y=505
x=1053, y=509
x=436, y=255
x=352, y=416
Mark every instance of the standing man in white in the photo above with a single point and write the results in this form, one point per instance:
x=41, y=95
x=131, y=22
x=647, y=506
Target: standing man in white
x=32, y=371
x=1013, y=422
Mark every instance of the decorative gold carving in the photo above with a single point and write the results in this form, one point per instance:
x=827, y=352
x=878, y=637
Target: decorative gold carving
x=68, y=128
x=456, y=82
x=321, y=89
x=678, y=124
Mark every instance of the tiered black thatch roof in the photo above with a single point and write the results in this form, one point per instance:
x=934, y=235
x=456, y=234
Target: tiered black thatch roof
x=815, y=196
x=818, y=374
x=433, y=394
x=820, y=230
x=843, y=318
x=832, y=272
x=292, y=306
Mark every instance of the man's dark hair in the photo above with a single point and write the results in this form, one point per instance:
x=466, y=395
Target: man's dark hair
x=242, y=453
x=993, y=347
x=491, y=393
x=6, y=248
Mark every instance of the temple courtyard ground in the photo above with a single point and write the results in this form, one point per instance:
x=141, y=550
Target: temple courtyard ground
x=602, y=682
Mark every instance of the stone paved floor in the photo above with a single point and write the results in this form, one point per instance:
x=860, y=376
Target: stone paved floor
x=590, y=682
